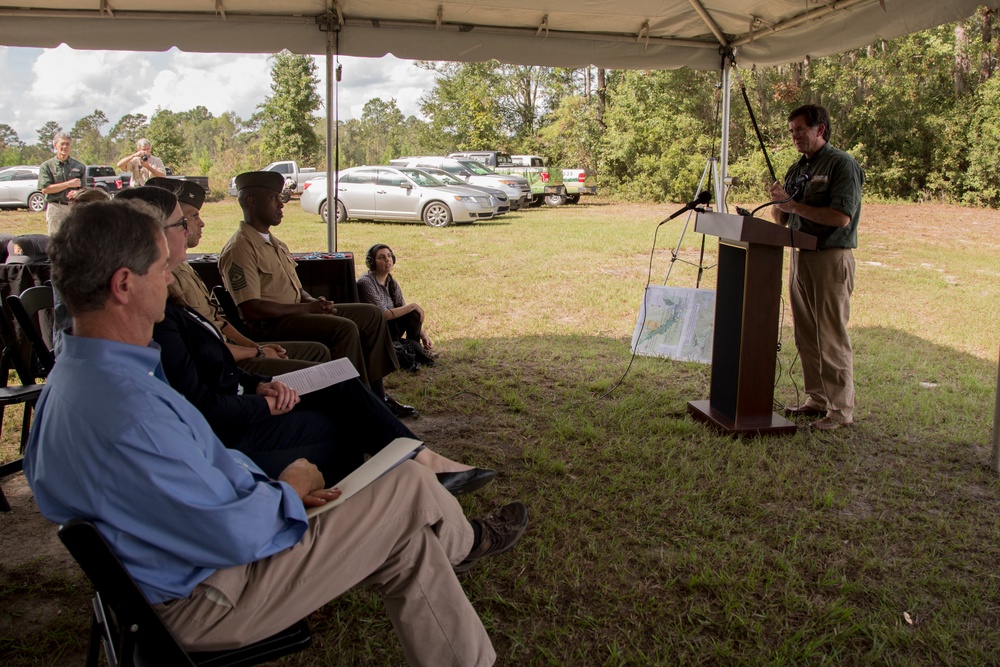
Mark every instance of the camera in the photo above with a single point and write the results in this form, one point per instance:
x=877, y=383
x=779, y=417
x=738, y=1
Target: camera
x=145, y=158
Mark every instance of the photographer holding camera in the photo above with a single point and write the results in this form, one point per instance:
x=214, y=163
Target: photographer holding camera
x=142, y=164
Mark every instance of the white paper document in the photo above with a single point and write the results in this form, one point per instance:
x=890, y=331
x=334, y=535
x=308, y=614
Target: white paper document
x=318, y=377
x=391, y=456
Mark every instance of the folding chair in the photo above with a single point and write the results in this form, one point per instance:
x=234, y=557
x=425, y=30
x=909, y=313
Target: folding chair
x=26, y=393
x=129, y=629
x=230, y=310
x=25, y=307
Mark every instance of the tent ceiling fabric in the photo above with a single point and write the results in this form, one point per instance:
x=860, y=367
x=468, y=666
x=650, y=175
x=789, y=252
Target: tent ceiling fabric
x=623, y=34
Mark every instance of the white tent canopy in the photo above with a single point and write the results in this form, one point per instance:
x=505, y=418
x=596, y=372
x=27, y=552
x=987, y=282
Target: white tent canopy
x=623, y=34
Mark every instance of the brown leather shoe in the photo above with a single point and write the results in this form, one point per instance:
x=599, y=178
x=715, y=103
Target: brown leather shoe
x=827, y=424
x=804, y=411
x=500, y=531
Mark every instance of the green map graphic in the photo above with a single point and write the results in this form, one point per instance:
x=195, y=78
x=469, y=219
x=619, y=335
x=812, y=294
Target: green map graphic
x=677, y=323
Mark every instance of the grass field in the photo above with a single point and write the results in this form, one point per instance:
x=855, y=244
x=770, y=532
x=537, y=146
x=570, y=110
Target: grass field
x=654, y=540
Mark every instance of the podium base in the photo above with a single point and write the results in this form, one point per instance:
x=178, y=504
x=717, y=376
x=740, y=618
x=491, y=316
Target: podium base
x=776, y=425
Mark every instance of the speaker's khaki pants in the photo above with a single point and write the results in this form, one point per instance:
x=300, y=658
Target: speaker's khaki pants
x=820, y=284
x=400, y=535
x=54, y=216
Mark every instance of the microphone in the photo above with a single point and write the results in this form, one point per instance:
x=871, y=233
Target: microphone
x=703, y=198
x=792, y=187
x=799, y=181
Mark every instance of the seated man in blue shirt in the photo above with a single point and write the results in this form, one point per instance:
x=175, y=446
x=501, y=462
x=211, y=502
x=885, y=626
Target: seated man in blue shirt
x=227, y=555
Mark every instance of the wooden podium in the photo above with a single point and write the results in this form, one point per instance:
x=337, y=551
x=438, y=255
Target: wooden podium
x=747, y=304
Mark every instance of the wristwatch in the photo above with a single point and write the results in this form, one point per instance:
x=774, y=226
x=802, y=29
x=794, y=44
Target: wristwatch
x=260, y=352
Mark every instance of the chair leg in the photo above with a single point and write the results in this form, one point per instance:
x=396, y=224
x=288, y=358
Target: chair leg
x=6, y=469
x=25, y=426
x=94, y=649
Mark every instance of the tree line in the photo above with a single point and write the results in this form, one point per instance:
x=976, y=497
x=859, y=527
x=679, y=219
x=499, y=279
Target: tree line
x=918, y=112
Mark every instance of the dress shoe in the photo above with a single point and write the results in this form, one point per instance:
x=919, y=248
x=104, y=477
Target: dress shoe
x=500, y=531
x=401, y=411
x=467, y=481
x=827, y=424
x=804, y=411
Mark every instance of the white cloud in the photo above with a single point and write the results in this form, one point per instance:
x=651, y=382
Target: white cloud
x=64, y=85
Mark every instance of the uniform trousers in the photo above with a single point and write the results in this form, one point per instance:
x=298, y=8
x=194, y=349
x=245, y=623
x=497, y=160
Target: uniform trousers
x=334, y=428
x=400, y=535
x=820, y=284
x=358, y=332
x=301, y=354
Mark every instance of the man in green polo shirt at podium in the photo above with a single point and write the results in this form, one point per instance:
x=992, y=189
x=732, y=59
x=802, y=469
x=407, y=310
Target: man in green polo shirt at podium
x=824, y=199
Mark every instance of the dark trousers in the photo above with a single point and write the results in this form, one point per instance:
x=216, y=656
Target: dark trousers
x=301, y=354
x=408, y=324
x=333, y=428
x=358, y=331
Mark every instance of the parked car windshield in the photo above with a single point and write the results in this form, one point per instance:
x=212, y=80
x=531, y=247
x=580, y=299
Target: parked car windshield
x=477, y=168
x=442, y=176
x=422, y=178
x=101, y=171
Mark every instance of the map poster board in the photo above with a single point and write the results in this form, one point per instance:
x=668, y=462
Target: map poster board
x=677, y=323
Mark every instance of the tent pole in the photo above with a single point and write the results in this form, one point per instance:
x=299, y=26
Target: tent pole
x=331, y=192
x=721, y=191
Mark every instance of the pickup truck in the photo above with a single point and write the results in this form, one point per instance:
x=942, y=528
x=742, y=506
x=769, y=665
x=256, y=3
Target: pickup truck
x=546, y=182
x=295, y=177
x=104, y=177
x=578, y=182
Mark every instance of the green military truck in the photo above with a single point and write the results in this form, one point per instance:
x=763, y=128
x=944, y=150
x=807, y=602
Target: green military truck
x=546, y=182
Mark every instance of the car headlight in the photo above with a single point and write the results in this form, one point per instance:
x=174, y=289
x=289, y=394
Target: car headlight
x=510, y=184
x=464, y=198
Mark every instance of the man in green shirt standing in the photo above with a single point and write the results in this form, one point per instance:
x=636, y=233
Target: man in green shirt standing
x=58, y=179
x=824, y=199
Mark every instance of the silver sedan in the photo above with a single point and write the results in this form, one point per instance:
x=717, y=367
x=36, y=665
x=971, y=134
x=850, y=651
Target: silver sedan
x=19, y=188
x=387, y=193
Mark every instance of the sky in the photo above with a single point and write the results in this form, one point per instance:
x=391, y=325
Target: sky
x=61, y=84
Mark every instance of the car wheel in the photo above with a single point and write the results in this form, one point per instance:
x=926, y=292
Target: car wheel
x=36, y=202
x=437, y=214
x=341, y=212
x=572, y=199
x=555, y=200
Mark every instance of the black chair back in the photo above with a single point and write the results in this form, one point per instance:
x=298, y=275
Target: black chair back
x=230, y=310
x=25, y=394
x=27, y=308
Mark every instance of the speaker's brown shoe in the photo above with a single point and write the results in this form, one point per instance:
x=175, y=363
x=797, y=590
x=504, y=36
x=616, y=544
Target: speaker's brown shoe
x=500, y=531
x=827, y=424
